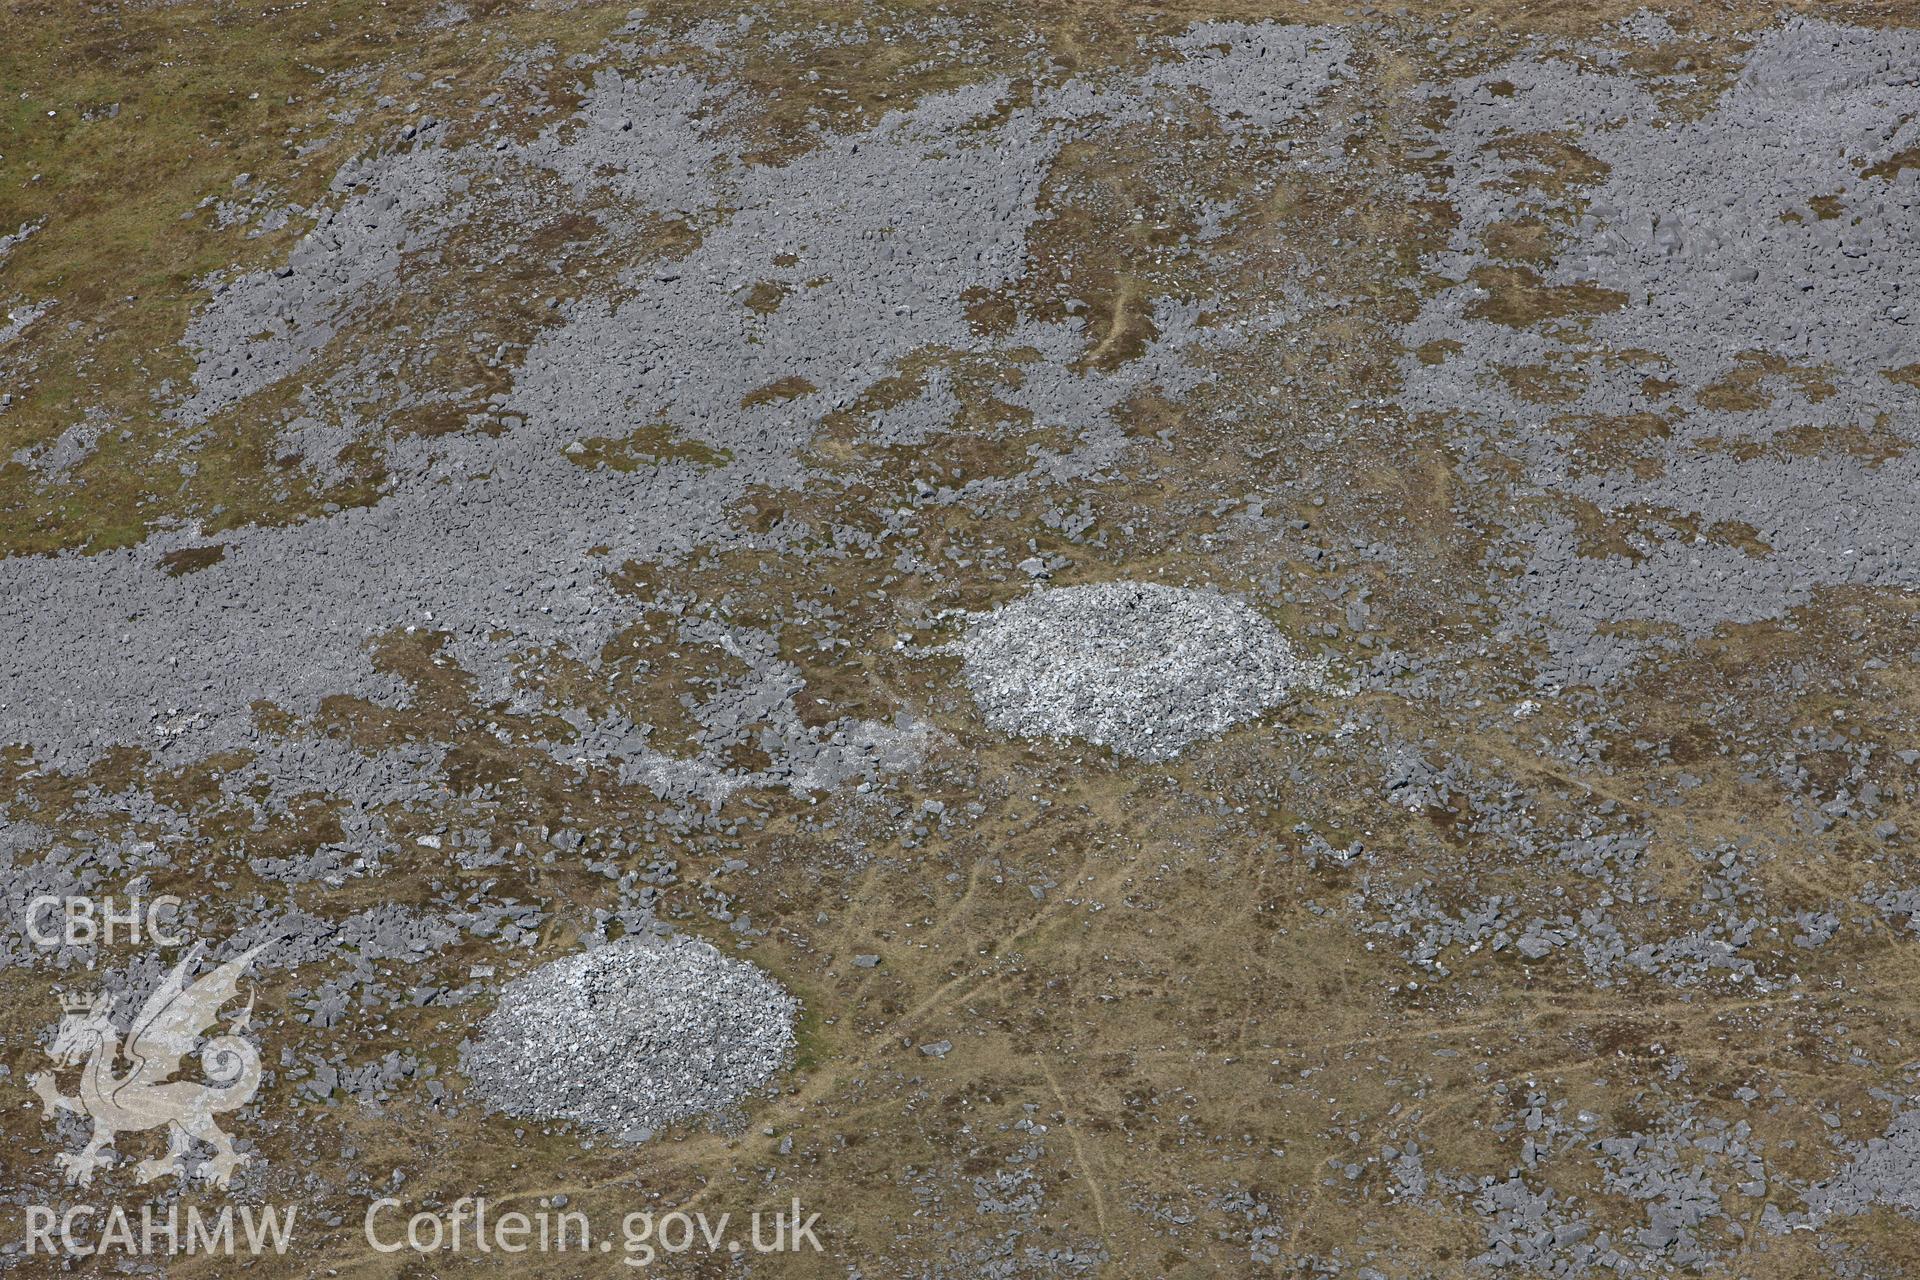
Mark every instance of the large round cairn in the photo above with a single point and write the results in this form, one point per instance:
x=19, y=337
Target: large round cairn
x=1135, y=666
x=633, y=1036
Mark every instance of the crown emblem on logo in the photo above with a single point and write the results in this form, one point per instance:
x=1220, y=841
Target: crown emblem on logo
x=79, y=1001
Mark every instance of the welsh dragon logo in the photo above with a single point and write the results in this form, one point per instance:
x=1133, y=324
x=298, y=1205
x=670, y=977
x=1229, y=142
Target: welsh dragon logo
x=173, y=1019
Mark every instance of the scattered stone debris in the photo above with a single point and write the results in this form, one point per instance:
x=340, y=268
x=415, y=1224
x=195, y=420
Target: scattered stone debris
x=1764, y=257
x=14, y=239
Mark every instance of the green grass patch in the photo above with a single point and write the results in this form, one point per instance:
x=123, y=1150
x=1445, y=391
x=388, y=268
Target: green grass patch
x=649, y=446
